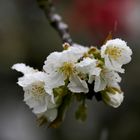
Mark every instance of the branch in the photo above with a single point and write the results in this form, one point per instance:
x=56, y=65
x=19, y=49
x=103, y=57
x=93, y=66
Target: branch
x=55, y=20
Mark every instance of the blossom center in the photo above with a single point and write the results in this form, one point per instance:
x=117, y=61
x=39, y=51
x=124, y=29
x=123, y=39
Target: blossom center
x=113, y=52
x=67, y=69
x=38, y=90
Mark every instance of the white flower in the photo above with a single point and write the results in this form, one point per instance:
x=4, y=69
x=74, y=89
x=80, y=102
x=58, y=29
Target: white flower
x=89, y=66
x=106, y=78
x=35, y=95
x=113, y=99
x=116, y=53
x=60, y=67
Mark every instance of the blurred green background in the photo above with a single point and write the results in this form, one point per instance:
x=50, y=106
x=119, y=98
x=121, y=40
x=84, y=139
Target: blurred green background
x=26, y=36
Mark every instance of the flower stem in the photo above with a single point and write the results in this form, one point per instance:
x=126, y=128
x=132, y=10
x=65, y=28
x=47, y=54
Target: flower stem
x=55, y=20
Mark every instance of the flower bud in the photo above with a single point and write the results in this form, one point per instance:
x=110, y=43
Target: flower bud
x=113, y=98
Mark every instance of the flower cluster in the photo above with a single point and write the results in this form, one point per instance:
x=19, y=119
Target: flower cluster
x=77, y=71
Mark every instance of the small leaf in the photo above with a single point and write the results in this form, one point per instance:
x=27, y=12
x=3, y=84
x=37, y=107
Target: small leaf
x=81, y=113
x=109, y=37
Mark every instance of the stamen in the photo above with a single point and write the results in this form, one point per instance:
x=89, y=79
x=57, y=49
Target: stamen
x=113, y=52
x=67, y=69
x=38, y=90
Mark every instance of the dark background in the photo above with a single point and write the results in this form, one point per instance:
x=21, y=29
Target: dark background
x=26, y=36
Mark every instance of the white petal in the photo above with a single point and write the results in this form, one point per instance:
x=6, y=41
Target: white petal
x=110, y=76
x=99, y=84
x=38, y=106
x=29, y=79
x=54, y=80
x=107, y=78
x=78, y=50
x=23, y=68
x=125, y=56
x=71, y=57
x=52, y=62
x=50, y=104
x=117, y=67
x=96, y=71
x=88, y=66
x=77, y=85
x=108, y=62
x=31, y=102
x=91, y=79
x=51, y=114
x=27, y=95
x=56, y=59
x=85, y=65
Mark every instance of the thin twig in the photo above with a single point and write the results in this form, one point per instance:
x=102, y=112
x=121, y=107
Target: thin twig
x=55, y=20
